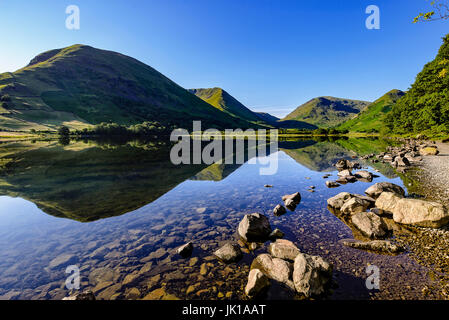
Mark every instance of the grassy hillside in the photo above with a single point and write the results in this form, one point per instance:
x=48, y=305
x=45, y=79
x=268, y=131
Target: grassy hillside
x=223, y=101
x=372, y=119
x=425, y=107
x=268, y=118
x=325, y=112
x=81, y=85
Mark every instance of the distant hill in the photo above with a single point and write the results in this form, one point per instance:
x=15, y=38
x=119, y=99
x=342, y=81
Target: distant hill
x=268, y=118
x=372, y=119
x=80, y=85
x=223, y=101
x=425, y=107
x=325, y=112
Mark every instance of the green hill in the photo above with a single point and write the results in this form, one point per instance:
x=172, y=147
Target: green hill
x=372, y=119
x=223, y=101
x=81, y=85
x=425, y=107
x=325, y=112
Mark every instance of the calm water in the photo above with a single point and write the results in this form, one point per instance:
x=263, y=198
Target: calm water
x=119, y=213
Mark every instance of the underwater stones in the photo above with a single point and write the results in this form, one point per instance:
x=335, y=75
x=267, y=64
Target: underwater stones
x=230, y=252
x=254, y=227
x=185, y=250
x=381, y=246
x=279, y=210
x=375, y=190
x=276, y=234
x=311, y=274
x=82, y=296
x=283, y=249
x=370, y=224
x=257, y=283
x=62, y=260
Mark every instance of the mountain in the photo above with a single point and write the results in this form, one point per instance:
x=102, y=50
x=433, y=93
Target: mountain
x=425, y=107
x=325, y=112
x=268, y=118
x=81, y=85
x=372, y=119
x=223, y=101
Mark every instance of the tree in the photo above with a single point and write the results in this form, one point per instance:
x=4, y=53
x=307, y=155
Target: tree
x=64, y=131
x=440, y=12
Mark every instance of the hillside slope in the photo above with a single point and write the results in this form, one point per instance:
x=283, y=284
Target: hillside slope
x=325, y=112
x=81, y=85
x=372, y=119
x=223, y=101
x=425, y=107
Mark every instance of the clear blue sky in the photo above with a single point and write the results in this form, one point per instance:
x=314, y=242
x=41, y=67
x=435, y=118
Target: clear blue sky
x=271, y=55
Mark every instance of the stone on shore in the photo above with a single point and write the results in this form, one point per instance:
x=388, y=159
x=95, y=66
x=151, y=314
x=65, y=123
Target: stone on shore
x=311, y=274
x=386, y=202
x=336, y=202
x=230, y=252
x=375, y=190
x=420, y=213
x=355, y=205
x=274, y=268
x=283, y=249
x=257, y=283
x=343, y=164
x=254, y=227
x=370, y=224
x=429, y=151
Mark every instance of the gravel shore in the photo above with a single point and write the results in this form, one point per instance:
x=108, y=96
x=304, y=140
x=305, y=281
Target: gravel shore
x=430, y=247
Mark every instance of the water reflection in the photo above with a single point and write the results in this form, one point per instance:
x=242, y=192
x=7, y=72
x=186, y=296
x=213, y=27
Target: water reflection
x=130, y=256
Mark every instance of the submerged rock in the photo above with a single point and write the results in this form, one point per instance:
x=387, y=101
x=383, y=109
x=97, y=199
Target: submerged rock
x=420, y=213
x=82, y=296
x=382, y=246
x=370, y=224
x=332, y=184
x=185, y=250
x=230, y=252
x=258, y=282
x=290, y=204
x=279, y=210
x=276, y=234
x=254, y=227
x=292, y=200
x=375, y=190
x=283, y=249
x=311, y=274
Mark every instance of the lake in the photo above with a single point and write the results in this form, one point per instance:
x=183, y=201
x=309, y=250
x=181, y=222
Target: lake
x=119, y=211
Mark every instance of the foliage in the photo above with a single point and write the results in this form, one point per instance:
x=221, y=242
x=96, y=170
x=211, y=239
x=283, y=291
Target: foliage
x=425, y=107
x=64, y=131
x=440, y=12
